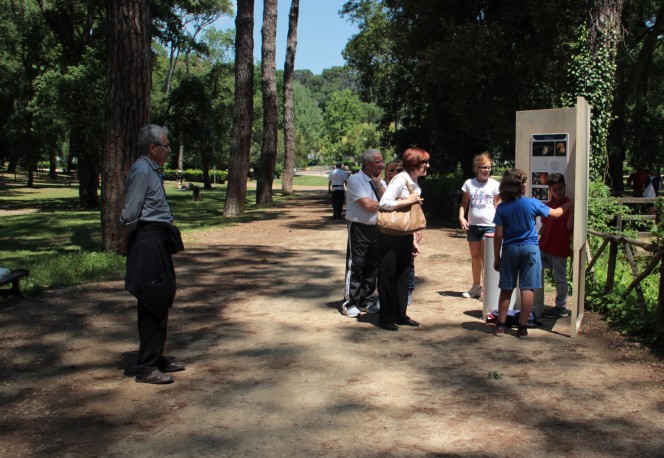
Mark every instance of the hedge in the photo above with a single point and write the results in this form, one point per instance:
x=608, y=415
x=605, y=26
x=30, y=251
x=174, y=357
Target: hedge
x=196, y=175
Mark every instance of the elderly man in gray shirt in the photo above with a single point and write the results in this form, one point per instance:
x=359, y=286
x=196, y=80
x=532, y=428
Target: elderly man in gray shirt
x=148, y=238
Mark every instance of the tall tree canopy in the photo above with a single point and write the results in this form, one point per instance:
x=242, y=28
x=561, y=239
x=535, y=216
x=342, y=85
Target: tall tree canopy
x=450, y=75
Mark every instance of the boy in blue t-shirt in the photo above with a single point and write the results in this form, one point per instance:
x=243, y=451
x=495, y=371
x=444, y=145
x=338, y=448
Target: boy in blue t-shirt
x=520, y=257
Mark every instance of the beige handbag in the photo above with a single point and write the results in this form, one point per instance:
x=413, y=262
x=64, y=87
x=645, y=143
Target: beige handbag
x=404, y=221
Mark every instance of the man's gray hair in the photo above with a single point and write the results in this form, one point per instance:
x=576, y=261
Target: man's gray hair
x=368, y=155
x=149, y=135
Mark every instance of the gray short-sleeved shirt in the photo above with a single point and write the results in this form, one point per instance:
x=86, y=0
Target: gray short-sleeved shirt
x=145, y=198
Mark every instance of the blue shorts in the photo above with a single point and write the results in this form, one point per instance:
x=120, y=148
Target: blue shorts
x=524, y=262
x=476, y=233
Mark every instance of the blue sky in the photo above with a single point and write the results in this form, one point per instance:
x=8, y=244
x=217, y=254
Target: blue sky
x=321, y=33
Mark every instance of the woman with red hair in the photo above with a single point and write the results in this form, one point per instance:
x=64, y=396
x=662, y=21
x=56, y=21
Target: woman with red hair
x=396, y=251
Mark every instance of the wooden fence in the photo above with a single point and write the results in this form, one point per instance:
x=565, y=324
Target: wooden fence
x=614, y=242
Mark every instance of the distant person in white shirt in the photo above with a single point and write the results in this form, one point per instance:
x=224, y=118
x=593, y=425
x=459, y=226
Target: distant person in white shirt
x=336, y=186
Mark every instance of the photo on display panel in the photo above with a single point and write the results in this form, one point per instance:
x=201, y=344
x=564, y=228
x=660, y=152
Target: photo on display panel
x=540, y=193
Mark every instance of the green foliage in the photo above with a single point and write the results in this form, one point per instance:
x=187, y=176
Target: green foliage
x=59, y=243
x=592, y=74
x=658, y=229
x=308, y=124
x=57, y=271
x=495, y=375
x=601, y=204
x=623, y=313
x=342, y=112
x=439, y=191
x=196, y=175
x=450, y=75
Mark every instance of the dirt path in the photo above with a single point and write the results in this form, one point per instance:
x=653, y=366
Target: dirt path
x=275, y=370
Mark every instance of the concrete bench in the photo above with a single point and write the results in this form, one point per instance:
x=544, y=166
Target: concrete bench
x=14, y=278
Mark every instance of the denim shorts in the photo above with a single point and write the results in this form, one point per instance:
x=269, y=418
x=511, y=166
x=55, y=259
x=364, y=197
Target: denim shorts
x=524, y=262
x=475, y=233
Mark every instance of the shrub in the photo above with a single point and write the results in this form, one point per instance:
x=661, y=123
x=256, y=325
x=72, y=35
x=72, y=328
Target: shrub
x=196, y=175
x=441, y=193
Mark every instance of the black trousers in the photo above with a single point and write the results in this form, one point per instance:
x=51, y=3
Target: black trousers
x=152, y=330
x=151, y=278
x=361, y=263
x=338, y=197
x=396, y=256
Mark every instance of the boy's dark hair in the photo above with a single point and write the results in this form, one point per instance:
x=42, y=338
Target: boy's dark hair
x=555, y=178
x=511, y=186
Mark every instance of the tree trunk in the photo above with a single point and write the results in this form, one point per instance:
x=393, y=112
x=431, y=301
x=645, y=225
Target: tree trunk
x=70, y=161
x=87, y=168
x=52, y=161
x=205, y=163
x=289, y=113
x=88, y=180
x=243, y=109
x=270, y=108
x=127, y=103
x=31, y=176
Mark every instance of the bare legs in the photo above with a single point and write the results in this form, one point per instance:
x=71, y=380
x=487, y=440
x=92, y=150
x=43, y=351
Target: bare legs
x=477, y=258
x=527, y=299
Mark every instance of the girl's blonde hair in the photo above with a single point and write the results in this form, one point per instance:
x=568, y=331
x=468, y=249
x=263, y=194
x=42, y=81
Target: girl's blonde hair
x=481, y=159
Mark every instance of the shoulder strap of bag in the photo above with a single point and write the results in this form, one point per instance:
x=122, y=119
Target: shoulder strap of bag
x=410, y=188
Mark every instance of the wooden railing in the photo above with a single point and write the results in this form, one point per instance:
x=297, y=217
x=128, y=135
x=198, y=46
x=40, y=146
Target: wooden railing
x=654, y=251
x=636, y=202
x=613, y=241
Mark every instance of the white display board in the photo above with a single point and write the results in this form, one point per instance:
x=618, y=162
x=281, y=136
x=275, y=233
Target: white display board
x=558, y=140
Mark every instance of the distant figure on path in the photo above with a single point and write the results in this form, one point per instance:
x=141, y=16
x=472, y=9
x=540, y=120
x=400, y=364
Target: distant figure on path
x=637, y=181
x=149, y=239
x=336, y=186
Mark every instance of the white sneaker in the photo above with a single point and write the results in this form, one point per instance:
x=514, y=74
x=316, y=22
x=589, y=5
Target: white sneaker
x=474, y=291
x=350, y=312
x=375, y=307
x=365, y=305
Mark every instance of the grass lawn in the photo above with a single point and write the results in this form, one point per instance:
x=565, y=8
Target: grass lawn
x=44, y=230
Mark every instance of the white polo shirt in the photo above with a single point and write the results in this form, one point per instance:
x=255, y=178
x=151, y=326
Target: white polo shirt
x=337, y=178
x=359, y=186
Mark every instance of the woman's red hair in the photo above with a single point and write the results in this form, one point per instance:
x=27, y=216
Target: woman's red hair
x=413, y=157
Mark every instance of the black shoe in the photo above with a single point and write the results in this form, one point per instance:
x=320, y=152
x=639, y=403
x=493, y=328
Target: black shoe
x=409, y=322
x=156, y=377
x=172, y=366
x=522, y=331
x=556, y=312
x=389, y=327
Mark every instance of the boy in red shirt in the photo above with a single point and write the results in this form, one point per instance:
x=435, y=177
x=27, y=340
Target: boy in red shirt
x=554, y=244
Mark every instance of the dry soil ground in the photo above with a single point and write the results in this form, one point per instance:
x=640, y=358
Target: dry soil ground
x=275, y=370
